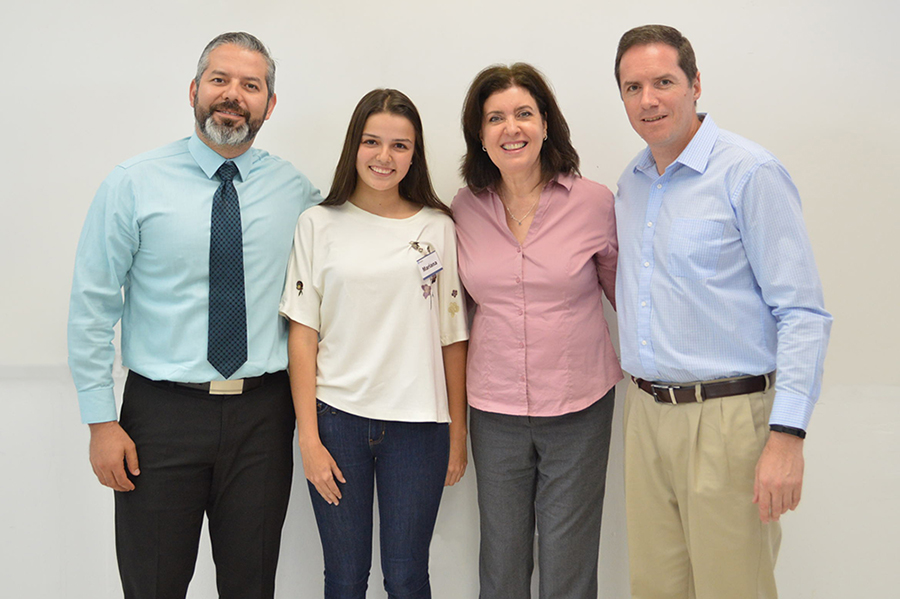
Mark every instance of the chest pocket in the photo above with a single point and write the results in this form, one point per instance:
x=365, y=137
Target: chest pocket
x=694, y=246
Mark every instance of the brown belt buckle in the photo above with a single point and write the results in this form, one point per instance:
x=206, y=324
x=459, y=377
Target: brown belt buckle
x=232, y=387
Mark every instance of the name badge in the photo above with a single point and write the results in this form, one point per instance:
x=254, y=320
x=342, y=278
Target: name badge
x=429, y=265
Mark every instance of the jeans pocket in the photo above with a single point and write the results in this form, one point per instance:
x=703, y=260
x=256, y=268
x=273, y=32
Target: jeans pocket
x=694, y=246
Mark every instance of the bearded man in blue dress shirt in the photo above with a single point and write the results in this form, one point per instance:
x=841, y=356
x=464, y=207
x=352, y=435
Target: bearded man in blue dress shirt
x=197, y=234
x=716, y=290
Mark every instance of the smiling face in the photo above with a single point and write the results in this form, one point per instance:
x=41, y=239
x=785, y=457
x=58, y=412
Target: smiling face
x=513, y=132
x=385, y=152
x=659, y=100
x=231, y=99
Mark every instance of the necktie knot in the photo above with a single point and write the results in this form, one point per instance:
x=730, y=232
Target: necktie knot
x=227, y=171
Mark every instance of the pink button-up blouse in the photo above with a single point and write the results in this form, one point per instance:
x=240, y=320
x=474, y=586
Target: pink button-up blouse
x=539, y=344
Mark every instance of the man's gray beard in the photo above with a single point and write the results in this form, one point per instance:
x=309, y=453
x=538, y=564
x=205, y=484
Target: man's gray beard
x=223, y=135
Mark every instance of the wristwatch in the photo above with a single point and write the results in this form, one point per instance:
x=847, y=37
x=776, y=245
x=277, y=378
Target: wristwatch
x=790, y=430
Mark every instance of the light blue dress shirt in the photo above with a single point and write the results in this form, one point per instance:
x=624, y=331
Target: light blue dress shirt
x=147, y=234
x=716, y=274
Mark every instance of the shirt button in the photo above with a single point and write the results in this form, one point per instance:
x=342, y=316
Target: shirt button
x=643, y=304
x=518, y=280
x=646, y=264
x=521, y=344
x=659, y=186
x=643, y=342
x=520, y=311
x=518, y=250
x=650, y=224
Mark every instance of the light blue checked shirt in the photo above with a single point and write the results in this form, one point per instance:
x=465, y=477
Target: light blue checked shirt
x=147, y=233
x=716, y=275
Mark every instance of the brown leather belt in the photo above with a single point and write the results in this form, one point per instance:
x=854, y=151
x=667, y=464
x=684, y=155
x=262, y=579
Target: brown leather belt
x=671, y=393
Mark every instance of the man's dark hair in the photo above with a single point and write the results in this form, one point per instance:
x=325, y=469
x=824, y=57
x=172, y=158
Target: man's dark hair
x=659, y=34
x=244, y=40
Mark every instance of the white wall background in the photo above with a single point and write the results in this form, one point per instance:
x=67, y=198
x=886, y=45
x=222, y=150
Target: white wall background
x=88, y=84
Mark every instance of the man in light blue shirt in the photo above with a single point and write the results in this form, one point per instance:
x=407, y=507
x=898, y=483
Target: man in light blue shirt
x=716, y=290
x=193, y=438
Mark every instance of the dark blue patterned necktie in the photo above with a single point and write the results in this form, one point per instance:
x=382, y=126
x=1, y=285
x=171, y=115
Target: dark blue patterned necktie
x=227, y=349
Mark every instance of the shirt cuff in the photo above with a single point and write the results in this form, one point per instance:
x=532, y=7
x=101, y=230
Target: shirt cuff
x=97, y=405
x=791, y=410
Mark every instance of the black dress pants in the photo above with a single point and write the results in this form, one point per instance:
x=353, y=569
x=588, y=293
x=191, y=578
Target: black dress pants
x=227, y=456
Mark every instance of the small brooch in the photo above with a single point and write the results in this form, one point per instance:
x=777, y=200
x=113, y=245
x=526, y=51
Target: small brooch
x=299, y=287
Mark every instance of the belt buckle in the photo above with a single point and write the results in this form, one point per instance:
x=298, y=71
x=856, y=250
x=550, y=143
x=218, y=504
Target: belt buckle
x=670, y=395
x=230, y=387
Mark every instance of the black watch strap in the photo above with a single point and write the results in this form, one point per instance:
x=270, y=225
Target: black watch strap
x=790, y=430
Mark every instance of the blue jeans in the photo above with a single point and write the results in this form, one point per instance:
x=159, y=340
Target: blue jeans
x=409, y=461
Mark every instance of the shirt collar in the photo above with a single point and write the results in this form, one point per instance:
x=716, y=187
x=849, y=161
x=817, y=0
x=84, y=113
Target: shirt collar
x=565, y=180
x=695, y=156
x=209, y=160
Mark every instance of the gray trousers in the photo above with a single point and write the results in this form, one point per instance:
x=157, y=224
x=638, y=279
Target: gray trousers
x=543, y=471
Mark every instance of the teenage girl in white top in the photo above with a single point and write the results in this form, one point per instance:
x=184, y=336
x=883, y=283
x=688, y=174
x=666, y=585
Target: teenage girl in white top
x=377, y=352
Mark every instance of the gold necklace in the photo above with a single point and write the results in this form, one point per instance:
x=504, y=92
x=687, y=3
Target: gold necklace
x=524, y=216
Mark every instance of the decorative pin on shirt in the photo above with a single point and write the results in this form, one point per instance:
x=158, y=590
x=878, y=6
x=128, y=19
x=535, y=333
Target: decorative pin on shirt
x=299, y=287
x=453, y=308
x=426, y=290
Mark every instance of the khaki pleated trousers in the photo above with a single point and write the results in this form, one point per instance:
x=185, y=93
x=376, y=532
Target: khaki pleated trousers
x=693, y=530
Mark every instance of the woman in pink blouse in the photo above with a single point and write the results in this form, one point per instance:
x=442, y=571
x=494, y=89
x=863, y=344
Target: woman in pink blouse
x=537, y=252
